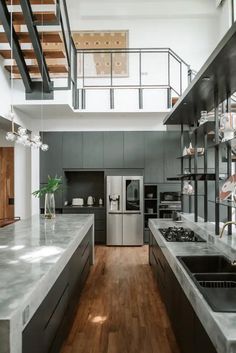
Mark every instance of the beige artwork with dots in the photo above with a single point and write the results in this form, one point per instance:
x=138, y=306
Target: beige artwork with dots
x=101, y=63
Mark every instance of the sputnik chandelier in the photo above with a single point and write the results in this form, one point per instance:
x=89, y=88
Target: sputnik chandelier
x=21, y=135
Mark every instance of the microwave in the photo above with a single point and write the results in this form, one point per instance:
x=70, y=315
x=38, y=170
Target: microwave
x=170, y=196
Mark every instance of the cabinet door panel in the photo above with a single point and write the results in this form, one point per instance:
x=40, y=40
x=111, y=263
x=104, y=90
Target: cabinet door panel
x=154, y=157
x=113, y=149
x=93, y=156
x=72, y=155
x=50, y=161
x=133, y=149
x=172, y=150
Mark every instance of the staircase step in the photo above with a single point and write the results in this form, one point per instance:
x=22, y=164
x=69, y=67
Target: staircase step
x=33, y=2
x=29, y=54
x=34, y=69
x=47, y=37
x=41, y=17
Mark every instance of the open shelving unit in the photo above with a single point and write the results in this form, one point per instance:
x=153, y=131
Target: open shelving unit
x=150, y=207
x=210, y=90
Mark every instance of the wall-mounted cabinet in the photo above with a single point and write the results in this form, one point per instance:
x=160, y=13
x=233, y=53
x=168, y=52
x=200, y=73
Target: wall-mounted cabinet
x=113, y=149
x=134, y=149
x=154, y=151
x=51, y=161
x=171, y=151
x=93, y=156
x=72, y=151
x=154, y=160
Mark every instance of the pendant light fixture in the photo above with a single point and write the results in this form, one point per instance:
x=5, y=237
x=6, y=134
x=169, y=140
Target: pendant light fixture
x=21, y=135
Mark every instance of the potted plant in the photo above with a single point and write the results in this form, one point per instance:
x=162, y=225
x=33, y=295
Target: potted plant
x=48, y=191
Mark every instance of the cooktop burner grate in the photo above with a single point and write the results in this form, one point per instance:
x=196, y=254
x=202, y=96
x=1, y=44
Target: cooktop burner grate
x=180, y=234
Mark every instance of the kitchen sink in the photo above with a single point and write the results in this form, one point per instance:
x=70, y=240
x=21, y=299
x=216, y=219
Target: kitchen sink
x=207, y=264
x=215, y=277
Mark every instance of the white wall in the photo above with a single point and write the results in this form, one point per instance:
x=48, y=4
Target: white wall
x=225, y=17
x=107, y=122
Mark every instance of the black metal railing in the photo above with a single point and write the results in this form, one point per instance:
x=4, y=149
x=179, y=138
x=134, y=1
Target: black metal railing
x=166, y=71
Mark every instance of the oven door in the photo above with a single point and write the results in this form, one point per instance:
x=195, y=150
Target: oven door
x=133, y=194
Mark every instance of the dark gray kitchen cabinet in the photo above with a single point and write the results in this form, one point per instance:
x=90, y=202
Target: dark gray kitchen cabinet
x=51, y=161
x=93, y=154
x=172, y=150
x=190, y=334
x=51, y=322
x=99, y=219
x=154, y=158
x=72, y=151
x=134, y=149
x=113, y=149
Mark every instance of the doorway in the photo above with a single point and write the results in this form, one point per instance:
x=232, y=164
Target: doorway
x=6, y=184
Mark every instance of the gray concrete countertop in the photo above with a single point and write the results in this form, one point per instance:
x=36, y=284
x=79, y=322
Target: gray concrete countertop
x=33, y=253
x=219, y=326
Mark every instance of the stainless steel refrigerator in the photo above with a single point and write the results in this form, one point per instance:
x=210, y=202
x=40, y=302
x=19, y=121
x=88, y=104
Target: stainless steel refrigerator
x=124, y=210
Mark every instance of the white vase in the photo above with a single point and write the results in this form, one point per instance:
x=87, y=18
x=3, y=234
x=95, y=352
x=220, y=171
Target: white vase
x=49, y=206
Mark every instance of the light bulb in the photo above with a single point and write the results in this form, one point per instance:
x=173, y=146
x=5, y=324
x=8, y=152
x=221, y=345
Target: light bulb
x=44, y=147
x=10, y=136
x=36, y=138
x=22, y=131
x=28, y=143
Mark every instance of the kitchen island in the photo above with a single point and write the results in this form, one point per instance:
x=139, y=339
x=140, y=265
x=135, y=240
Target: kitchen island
x=196, y=325
x=44, y=264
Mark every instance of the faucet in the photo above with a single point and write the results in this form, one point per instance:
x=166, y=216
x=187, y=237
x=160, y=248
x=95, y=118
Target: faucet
x=225, y=225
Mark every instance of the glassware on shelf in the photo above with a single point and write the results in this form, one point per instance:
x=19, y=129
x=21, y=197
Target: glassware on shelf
x=228, y=125
x=188, y=188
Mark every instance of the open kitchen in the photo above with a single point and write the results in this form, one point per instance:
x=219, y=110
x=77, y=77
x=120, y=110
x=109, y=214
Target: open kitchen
x=117, y=176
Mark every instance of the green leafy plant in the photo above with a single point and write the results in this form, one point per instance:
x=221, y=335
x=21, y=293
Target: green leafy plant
x=52, y=186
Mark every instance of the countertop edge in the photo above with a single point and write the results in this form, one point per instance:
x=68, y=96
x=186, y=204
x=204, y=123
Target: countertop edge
x=207, y=317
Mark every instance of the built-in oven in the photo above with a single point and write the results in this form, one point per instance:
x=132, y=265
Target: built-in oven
x=170, y=202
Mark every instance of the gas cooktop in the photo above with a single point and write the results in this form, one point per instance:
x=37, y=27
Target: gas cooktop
x=180, y=234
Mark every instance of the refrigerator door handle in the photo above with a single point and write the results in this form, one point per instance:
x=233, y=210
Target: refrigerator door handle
x=131, y=213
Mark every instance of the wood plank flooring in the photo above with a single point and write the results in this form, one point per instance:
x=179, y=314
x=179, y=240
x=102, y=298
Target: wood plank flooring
x=120, y=309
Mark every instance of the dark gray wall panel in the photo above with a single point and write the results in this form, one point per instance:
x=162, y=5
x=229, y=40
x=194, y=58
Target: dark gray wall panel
x=51, y=161
x=134, y=149
x=72, y=150
x=93, y=156
x=154, y=159
x=113, y=149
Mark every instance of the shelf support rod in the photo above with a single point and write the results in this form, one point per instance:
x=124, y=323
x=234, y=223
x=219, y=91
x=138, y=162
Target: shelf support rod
x=205, y=182
x=182, y=166
x=217, y=205
x=229, y=167
x=195, y=178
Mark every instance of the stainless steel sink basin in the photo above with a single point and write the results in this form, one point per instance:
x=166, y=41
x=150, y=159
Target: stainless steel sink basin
x=215, y=277
x=207, y=264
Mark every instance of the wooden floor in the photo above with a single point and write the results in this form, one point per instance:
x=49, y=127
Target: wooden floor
x=120, y=310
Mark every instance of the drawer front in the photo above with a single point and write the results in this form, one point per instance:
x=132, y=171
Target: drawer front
x=100, y=236
x=51, y=327
x=99, y=214
x=100, y=225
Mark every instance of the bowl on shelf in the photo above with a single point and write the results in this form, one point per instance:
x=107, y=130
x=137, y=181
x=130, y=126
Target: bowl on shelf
x=150, y=196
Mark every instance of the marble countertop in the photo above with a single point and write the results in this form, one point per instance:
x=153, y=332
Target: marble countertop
x=33, y=253
x=219, y=326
